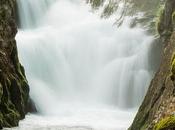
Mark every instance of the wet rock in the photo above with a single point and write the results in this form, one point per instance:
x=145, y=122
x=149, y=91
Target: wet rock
x=159, y=100
x=31, y=106
x=14, y=89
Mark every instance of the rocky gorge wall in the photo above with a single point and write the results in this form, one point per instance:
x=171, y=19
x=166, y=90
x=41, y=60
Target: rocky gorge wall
x=157, y=111
x=14, y=88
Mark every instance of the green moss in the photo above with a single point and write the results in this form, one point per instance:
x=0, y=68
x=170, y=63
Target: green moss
x=173, y=67
x=14, y=100
x=159, y=19
x=14, y=89
x=1, y=92
x=173, y=17
x=12, y=118
x=165, y=123
x=144, y=127
x=1, y=121
x=9, y=116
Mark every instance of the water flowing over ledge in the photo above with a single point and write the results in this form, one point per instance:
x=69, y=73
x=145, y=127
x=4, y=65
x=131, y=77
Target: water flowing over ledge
x=78, y=64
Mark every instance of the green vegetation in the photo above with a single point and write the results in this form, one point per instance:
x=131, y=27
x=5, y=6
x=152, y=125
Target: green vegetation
x=159, y=19
x=165, y=123
x=173, y=16
x=173, y=64
x=14, y=89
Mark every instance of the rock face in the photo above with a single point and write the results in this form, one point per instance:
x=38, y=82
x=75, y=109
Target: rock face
x=14, y=89
x=159, y=103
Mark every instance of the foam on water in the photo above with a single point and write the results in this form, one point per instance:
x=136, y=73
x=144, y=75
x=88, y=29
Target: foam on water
x=86, y=119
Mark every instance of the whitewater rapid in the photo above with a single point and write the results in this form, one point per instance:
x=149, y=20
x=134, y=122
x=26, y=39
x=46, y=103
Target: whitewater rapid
x=84, y=73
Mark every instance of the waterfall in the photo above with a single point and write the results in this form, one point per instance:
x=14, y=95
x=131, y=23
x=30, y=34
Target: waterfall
x=73, y=59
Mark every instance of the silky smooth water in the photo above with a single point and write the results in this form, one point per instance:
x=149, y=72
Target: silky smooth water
x=84, y=73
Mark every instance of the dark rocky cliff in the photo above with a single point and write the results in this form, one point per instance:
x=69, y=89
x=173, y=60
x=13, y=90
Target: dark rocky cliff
x=157, y=111
x=14, y=89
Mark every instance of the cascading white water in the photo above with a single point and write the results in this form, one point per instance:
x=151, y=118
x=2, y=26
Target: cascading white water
x=80, y=68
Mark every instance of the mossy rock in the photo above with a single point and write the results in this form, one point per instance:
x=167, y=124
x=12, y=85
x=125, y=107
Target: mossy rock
x=165, y=123
x=173, y=17
x=173, y=65
x=14, y=88
x=159, y=20
x=1, y=92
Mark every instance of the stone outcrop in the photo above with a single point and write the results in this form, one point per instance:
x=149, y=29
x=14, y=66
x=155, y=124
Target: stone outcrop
x=159, y=103
x=14, y=89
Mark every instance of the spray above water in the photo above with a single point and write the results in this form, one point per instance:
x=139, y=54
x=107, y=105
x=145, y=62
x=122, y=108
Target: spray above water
x=74, y=59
